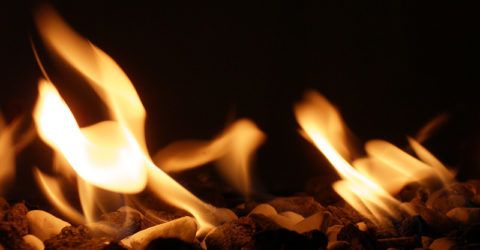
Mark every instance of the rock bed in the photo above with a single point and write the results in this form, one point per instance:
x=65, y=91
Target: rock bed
x=447, y=218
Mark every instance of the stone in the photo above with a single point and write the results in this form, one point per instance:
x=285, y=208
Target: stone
x=333, y=231
x=44, y=225
x=34, y=242
x=442, y=244
x=303, y=205
x=465, y=215
x=426, y=241
x=118, y=224
x=318, y=221
x=447, y=198
x=338, y=245
x=183, y=229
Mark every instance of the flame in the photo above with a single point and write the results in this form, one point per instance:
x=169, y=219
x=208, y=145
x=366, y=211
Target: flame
x=233, y=149
x=112, y=154
x=367, y=183
x=10, y=144
x=7, y=153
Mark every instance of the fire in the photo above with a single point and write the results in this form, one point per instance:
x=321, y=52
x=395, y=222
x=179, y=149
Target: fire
x=232, y=149
x=104, y=154
x=112, y=154
x=11, y=142
x=367, y=183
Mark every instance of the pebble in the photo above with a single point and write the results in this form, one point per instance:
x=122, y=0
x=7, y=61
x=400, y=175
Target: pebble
x=34, y=242
x=44, y=225
x=442, y=244
x=465, y=215
x=426, y=241
x=333, y=231
x=183, y=229
x=338, y=245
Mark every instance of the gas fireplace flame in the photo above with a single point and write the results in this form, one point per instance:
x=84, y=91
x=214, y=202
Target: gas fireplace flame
x=11, y=142
x=7, y=154
x=103, y=153
x=232, y=149
x=367, y=183
x=112, y=154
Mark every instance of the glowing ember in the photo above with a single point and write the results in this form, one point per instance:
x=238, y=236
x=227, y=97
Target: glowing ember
x=112, y=154
x=367, y=183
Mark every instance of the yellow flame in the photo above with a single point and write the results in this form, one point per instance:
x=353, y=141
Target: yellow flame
x=111, y=154
x=101, y=153
x=232, y=149
x=367, y=183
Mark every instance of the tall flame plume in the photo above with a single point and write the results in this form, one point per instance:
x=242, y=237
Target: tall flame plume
x=112, y=154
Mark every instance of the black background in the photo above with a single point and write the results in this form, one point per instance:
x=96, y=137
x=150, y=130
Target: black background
x=390, y=66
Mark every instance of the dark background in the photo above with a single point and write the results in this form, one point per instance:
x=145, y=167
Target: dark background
x=390, y=66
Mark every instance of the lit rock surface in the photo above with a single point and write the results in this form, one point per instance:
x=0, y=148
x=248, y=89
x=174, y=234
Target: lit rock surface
x=34, y=242
x=183, y=229
x=44, y=225
x=442, y=244
x=465, y=215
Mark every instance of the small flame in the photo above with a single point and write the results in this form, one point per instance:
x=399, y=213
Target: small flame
x=10, y=144
x=111, y=154
x=367, y=183
x=232, y=149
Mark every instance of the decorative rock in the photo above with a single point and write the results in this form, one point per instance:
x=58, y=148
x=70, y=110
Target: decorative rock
x=414, y=225
x=333, y=231
x=442, y=244
x=13, y=225
x=303, y=205
x=78, y=237
x=44, y=225
x=292, y=216
x=235, y=234
x=338, y=245
x=34, y=242
x=15, y=217
x=344, y=215
x=118, y=224
x=356, y=238
x=465, y=215
x=445, y=199
x=318, y=221
x=426, y=241
x=476, y=200
x=437, y=222
x=362, y=226
x=265, y=209
x=183, y=228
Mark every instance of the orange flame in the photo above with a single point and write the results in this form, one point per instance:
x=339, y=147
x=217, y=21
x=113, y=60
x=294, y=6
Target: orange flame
x=7, y=153
x=232, y=149
x=10, y=144
x=112, y=154
x=367, y=183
